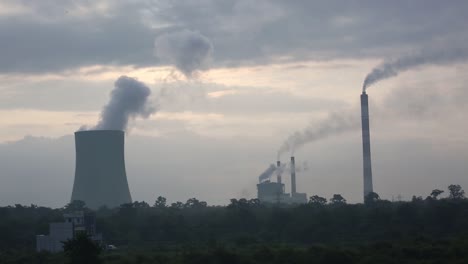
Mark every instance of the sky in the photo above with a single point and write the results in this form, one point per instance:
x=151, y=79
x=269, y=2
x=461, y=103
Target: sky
x=230, y=82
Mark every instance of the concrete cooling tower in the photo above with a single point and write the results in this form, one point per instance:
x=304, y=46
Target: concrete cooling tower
x=100, y=178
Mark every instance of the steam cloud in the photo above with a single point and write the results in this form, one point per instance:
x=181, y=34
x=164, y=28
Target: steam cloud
x=267, y=173
x=129, y=100
x=336, y=123
x=428, y=56
x=188, y=51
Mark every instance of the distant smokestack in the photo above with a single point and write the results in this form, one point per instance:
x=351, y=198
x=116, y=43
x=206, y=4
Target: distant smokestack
x=100, y=177
x=367, y=166
x=293, y=176
x=278, y=171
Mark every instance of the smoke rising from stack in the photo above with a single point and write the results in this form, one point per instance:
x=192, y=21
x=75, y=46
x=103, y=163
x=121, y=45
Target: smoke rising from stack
x=129, y=100
x=267, y=173
x=335, y=123
x=188, y=51
x=428, y=56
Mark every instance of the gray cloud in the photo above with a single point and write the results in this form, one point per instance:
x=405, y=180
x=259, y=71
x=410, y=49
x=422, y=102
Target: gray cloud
x=188, y=51
x=56, y=37
x=56, y=95
x=194, y=96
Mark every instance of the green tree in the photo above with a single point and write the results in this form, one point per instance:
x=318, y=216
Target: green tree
x=177, y=205
x=435, y=193
x=141, y=204
x=75, y=205
x=160, y=202
x=371, y=198
x=81, y=249
x=317, y=200
x=456, y=192
x=254, y=202
x=195, y=203
x=338, y=199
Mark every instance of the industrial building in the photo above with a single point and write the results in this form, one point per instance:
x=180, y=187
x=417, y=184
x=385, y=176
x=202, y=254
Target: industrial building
x=100, y=177
x=274, y=192
x=59, y=232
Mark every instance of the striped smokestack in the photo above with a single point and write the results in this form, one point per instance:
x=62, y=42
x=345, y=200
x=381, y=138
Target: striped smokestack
x=278, y=171
x=293, y=176
x=367, y=166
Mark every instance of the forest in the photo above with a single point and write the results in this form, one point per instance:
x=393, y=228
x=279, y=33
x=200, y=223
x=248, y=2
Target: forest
x=432, y=229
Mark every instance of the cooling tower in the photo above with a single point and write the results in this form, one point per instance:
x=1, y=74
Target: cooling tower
x=367, y=166
x=278, y=172
x=100, y=177
x=293, y=176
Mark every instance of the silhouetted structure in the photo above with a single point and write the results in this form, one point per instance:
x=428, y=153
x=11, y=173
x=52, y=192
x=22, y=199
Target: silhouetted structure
x=367, y=166
x=75, y=223
x=273, y=192
x=100, y=178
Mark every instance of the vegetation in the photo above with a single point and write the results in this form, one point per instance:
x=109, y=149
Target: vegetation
x=81, y=249
x=430, y=230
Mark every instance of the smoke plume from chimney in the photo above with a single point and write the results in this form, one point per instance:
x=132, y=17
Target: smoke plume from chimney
x=129, y=100
x=335, y=123
x=267, y=173
x=428, y=56
x=188, y=51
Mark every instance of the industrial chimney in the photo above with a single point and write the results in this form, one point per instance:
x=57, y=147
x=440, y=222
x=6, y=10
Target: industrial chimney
x=278, y=171
x=100, y=178
x=367, y=166
x=293, y=176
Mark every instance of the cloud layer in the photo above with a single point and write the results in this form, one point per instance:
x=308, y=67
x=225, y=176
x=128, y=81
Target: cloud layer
x=47, y=36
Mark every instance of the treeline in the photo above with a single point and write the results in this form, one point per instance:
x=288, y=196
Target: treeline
x=415, y=251
x=249, y=222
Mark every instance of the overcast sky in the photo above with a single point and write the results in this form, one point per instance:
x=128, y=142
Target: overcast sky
x=232, y=80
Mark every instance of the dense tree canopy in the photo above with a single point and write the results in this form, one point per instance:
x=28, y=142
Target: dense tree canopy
x=249, y=223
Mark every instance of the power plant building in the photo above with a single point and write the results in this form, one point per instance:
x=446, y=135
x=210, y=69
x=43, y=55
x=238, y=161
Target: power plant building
x=274, y=192
x=100, y=177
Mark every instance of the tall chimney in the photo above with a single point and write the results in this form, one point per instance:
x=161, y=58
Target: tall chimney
x=293, y=176
x=367, y=166
x=278, y=171
x=100, y=177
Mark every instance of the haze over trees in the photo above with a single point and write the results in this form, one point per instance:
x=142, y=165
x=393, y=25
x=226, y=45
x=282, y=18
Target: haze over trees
x=247, y=231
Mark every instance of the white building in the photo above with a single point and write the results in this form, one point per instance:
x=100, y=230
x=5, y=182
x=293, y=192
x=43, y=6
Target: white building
x=59, y=232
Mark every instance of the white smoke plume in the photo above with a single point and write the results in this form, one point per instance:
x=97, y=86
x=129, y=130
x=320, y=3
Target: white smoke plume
x=188, y=51
x=267, y=173
x=428, y=56
x=335, y=123
x=128, y=100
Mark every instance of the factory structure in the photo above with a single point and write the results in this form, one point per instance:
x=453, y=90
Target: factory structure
x=75, y=223
x=274, y=192
x=100, y=178
x=366, y=149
